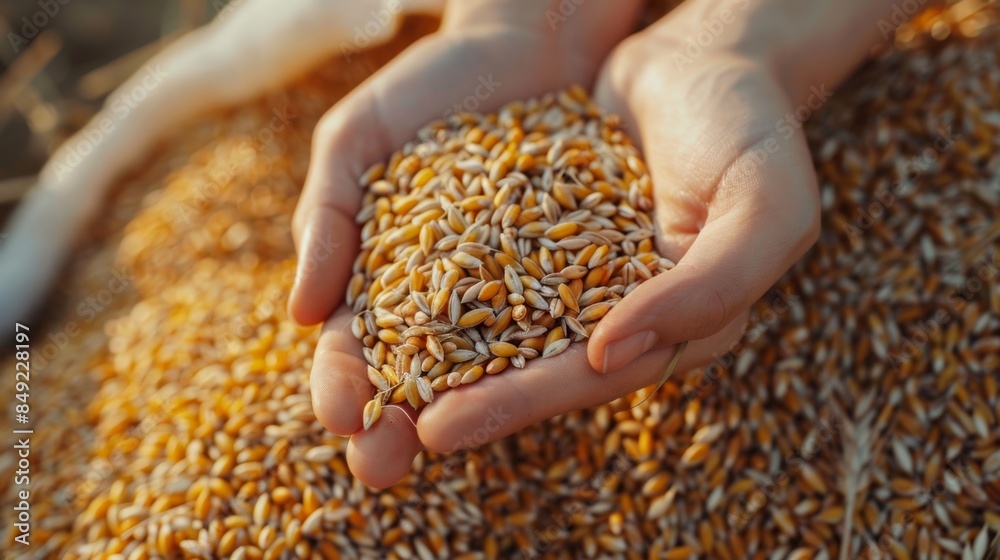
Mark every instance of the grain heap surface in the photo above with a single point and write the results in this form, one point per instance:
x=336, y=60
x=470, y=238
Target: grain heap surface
x=858, y=418
x=495, y=239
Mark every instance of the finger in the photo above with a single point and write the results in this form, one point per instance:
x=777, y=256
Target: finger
x=379, y=116
x=339, y=385
x=323, y=226
x=499, y=405
x=736, y=198
x=327, y=250
x=421, y=85
x=735, y=258
x=381, y=455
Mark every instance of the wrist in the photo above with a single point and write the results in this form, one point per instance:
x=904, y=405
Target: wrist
x=804, y=45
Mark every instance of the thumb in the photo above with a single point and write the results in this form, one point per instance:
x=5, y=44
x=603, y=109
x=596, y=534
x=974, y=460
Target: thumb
x=735, y=258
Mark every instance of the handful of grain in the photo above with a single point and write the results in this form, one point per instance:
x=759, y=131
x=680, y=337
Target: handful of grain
x=494, y=239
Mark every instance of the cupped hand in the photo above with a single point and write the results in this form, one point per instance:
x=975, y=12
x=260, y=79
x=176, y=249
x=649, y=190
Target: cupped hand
x=736, y=204
x=486, y=54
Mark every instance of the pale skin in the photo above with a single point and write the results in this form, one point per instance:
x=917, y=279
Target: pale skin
x=735, y=193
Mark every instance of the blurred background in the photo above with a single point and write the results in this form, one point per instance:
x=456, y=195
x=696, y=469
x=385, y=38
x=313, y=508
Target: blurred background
x=59, y=59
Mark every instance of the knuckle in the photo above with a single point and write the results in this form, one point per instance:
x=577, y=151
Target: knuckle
x=329, y=126
x=623, y=65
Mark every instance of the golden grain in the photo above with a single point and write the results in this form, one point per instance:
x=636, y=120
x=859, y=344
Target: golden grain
x=458, y=240
x=187, y=354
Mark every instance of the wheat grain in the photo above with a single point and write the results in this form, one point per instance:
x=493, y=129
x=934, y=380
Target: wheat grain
x=199, y=350
x=459, y=239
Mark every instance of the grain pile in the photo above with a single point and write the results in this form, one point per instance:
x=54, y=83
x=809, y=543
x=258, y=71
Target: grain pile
x=496, y=239
x=858, y=418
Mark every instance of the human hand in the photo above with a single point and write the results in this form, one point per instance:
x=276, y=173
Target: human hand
x=736, y=200
x=736, y=204
x=735, y=195
x=487, y=51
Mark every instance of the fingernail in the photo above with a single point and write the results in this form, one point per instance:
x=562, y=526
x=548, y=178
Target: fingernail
x=621, y=352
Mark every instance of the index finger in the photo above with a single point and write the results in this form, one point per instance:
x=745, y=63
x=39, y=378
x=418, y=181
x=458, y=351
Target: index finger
x=499, y=405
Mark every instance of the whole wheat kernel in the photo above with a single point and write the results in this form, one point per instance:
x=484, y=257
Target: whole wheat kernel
x=489, y=226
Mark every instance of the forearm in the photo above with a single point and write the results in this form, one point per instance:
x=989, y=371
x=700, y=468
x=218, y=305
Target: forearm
x=587, y=27
x=809, y=44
